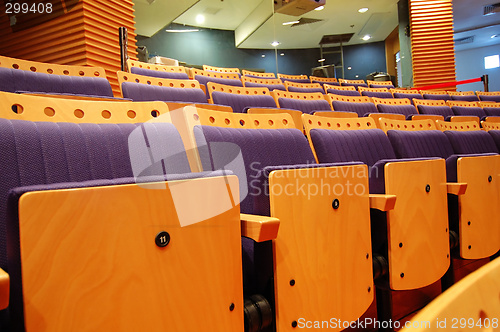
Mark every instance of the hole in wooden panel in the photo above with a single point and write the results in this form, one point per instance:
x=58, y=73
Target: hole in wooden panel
x=160, y=84
x=81, y=73
x=32, y=68
x=242, y=122
x=106, y=114
x=131, y=114
x=256, y=122
x=66, y=72
x=196, y=117
x=148, y=82
x=15, y=66
x=49, y=111
x=49, y=70
x=328, y=124
x=285, y=121
x=125, y=78
x=155, y=113
x=358, y=124
x=348, y=125
x=211, y=119
x=271, y=122
x=79, y=113
x=338, y=125
x=319, y=123
x=96, y=73
x=310, y=122
x=193, y=85
x=182, y=85
x=227, y=121
x=18, y=109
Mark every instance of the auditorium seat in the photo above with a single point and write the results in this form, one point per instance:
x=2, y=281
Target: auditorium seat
x=95, y=213
x=256, y=82
x=341, y=90
x=489, y=96
x=321, y=260
x=410, y=94
x=380, y=84
x=294, y=78
x=254, y=74
x=240, y=98
x=433, y=107
x=222, y=70
x=203, y=77
x=467, y=108
x=354, y=83
x=363, y=106
x=412, y=236
x=324, y=80
x=303, y=87
x=304, y=102
x=463, y=95
x=375, y=92
x=435, y=95
x=395, y=106
x=490, y=108
x=160, y=71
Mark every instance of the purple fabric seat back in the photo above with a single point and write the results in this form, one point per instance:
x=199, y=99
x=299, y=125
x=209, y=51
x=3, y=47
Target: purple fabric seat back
x=495, y=134
x=406, y=110
x=386, y=95
x=471, y=142
x=305, y=106
x=410, y=96
x=295, y=80
x=205, y=79
x=465, y=98
x=344, y=92
x=239, y=102
x=435, y=110
x=323, y=83
x=13, y=80
x=492, y=111
x=356, y=85
x=436, y=97
x=44, y=153
x=420, y=144
x=271, y=87
x=469, y=111
x=159, y=73
x=495, y=98
x=361, y=108
x=381, y=86
x=144, y=92
x=307, y=90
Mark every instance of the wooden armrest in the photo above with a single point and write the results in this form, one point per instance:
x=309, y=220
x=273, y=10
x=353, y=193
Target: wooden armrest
x=259, y=228
x=382, y=202
x=4, y=289
x=456, y=188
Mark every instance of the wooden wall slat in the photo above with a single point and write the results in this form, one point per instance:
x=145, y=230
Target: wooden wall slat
x=432, y=44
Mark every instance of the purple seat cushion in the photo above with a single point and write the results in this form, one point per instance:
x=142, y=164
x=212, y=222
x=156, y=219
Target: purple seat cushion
x=239, y=102
x=323, y=83
x=492, y=111
x=435, y=110
x=495, y=98
x=468, y=111
x=305, y=106
x=377, y=94
x=295, y=80
x=382, y=86
x=159, y=73
x=495, y=134
x=271, y=87
x=406, y=110
x=410, y=96
x=205, y=79
x=307, y=90
x=436, y=97
x=361, y=108
x=420, y=144
x=344, y=92
x=465, y=98
x=356, y=85
x=12, y=80
x=145, y=92
x=471, y=142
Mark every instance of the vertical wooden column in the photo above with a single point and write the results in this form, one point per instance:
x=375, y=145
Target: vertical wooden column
x=75, y=32
x=432, y=45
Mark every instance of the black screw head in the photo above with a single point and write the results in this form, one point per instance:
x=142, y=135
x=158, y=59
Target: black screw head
x=469, y=247
x=490, y=178
x=335, y=204
x=369, y=289
x=294, y=324
x=162, y=239
x=401, y=244
x=292, y=282
x=231, y=307
x=402, y=275
x=468, y=223
x=427, y=188
x=367, y=256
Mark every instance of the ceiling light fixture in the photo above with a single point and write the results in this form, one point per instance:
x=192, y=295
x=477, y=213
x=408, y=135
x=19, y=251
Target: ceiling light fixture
x=275, y=43
x=263, y=55
x=291, y=22
x=321, y=60
x=366, y=37
x=319, y=8
x=282, y=54
x=363, y=10
x=494, y=36
x=200, y=19
x=183, y=30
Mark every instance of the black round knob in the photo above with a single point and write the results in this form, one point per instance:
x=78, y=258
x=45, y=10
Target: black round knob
x=335, y=204
x=162, y=239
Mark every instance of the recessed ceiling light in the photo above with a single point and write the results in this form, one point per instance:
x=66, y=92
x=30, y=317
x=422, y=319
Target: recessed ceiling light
x=349, y=68
x=275, y=43
x=321, y=60
x=494, y=36
x=319, y=8
x=366, y=37
x=184, y=30
x=357, y=76
x=291, y=22
x=363, y=10
x=200, y=18
x=263, y=55
x=282, y=54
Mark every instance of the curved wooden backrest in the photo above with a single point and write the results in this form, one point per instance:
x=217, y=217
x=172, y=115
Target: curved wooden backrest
x=195, y=71
x=395, y=101
x=267, y=81
x=473, y=298
x=428, y=102
x=433, y=92
x=351, y=99
x=166, y=82
x=461, y=93
x=488, y=104
x=378, y=82
x=237, y=90
x=40, y=108
x=296, y=95
x=393, y=91
x=490, y=125
x=296, y=115
x=221, y=69
x=323, y=79
x=362, y=88
x=341, y=80
x=49, y=68
x=170, y=69
x=336, y=114
x=302, y=85
x=462, y=103
x=255, y=73
x=491, y=93
x=337, y=87
x=457, y=126
x=294, y=77
x=413, y=125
